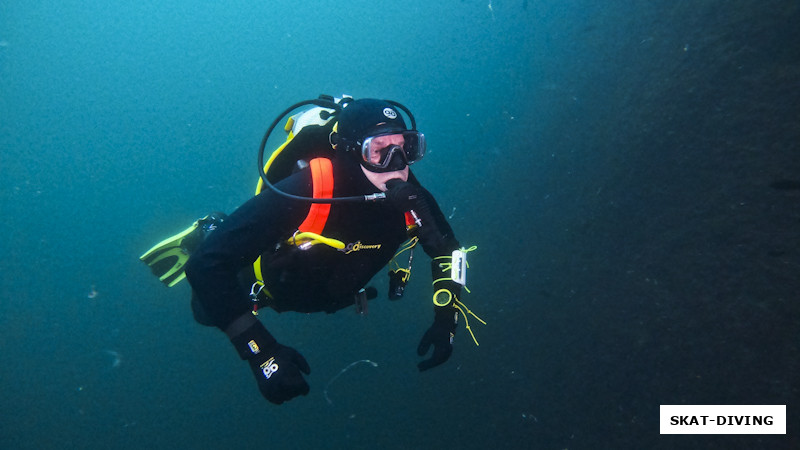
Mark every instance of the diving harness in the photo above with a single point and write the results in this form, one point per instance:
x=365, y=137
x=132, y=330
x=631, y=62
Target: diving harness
x=316, y=126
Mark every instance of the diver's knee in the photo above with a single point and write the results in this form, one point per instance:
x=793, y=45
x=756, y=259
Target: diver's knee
x=199, y=313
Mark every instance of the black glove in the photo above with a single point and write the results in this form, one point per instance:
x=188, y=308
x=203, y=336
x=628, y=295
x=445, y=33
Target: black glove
x=440, y=335
x=402, y=194
x=276, y=367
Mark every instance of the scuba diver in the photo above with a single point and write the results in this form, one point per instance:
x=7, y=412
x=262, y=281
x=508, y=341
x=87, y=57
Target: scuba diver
x=335, y=204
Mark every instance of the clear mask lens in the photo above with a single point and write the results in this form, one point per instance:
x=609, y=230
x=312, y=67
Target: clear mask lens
x=379, y=151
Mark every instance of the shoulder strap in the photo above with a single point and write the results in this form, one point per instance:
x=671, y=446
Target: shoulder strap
x=322, y=187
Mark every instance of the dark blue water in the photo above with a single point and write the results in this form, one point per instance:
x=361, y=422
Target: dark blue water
x=628, y=170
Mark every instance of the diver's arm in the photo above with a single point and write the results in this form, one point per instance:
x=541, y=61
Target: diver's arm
x=437, y=239
x=213, y=273
x=253, y=228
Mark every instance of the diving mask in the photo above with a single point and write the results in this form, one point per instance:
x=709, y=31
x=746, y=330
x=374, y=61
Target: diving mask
x=387, y=152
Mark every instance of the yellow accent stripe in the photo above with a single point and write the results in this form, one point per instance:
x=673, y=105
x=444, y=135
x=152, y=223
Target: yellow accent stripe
x=260, y=186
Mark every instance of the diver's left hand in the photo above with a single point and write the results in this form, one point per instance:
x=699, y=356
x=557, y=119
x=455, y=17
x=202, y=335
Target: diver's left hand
x=440, y=336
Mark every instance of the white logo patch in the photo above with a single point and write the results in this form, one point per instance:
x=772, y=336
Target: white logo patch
x=390, y=113
x=269, y=368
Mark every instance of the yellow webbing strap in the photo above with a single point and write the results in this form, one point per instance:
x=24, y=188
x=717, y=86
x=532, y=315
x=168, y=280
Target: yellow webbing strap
x=257, y=272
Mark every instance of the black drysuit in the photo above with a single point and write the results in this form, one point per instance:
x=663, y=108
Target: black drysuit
x=320, y=278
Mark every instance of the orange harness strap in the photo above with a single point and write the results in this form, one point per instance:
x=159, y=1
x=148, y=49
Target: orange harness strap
x=322, y=187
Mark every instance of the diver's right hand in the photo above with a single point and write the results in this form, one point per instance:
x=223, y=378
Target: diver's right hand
x=277, y=371
x=277, y=368
x=402, y=194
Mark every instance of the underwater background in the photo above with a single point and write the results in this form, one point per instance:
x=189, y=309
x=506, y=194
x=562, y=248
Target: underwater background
x=629, y=171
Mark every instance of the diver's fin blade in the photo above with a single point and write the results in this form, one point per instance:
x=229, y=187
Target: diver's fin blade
x=172, y=241
x=169, y=263
x=176, y=280
x=167, y=258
